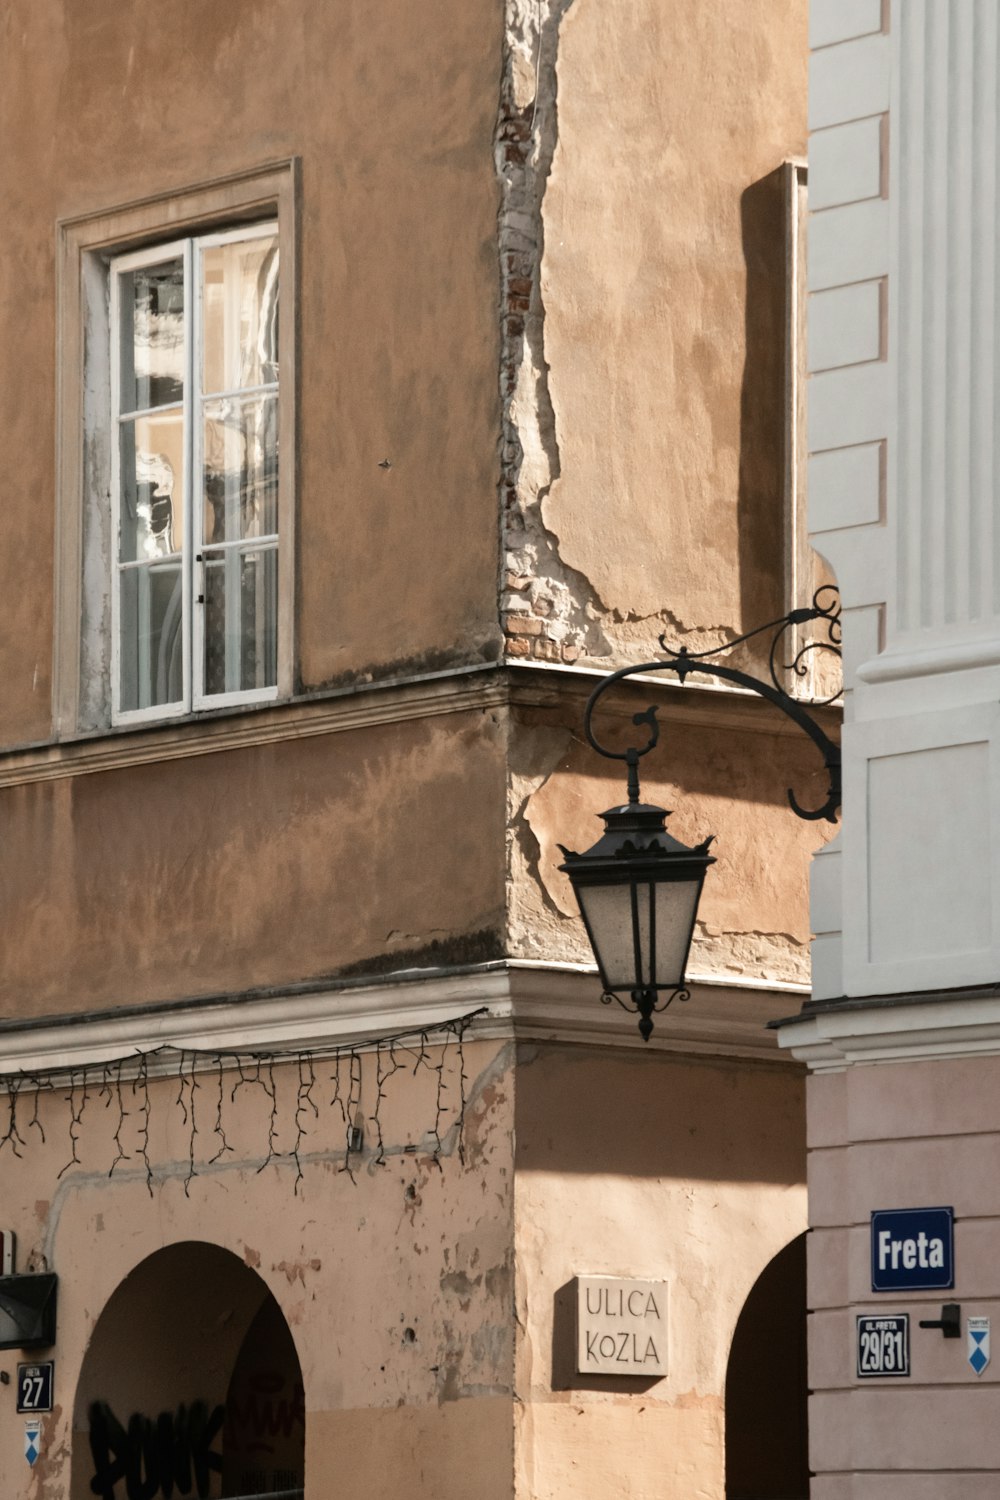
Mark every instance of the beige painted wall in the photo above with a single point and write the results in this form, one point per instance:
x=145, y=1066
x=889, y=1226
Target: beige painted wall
x=656, y=1165
x=664, y=273
x=255, y=867
x=652, y=1167
x=724, y=768
x=352, y=1264
x=393, y=119
x=661, y=289
x=661, y=312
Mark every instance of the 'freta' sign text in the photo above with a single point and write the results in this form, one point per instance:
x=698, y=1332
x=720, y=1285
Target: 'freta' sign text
x=621, y=1326
x=912, y=1249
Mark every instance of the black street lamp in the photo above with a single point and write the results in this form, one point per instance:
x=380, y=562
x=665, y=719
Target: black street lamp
x=638, y=888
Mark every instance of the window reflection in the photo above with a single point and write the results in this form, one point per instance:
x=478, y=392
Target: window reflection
x=240, y=315
x=240, y=468
x=241, y=614
x=152, y=668
x=152, y=487
x=153, y=344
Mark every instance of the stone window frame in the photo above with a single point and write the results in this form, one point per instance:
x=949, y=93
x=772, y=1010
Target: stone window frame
x=86, y=244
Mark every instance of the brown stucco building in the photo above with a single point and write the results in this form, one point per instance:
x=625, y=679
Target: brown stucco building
x=311, y=1105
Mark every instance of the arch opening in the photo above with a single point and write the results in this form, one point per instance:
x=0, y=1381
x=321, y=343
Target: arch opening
x=767, y=1446
x=190, y=1386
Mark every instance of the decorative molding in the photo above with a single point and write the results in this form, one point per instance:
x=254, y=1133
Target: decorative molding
x=393, y=700
x=943, y=286
x=829, y=1041
x=710, y=704
x=208, y=734
x=963, y=654
x=556, y=1003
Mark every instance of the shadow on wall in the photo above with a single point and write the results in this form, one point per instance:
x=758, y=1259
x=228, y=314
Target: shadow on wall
x=760, y=500
x=767, y=1444
x=653, y=1116
x=190, y=1385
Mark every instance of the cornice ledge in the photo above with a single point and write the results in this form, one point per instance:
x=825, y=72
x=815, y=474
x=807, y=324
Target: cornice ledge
x=831, y=1040
x=388, y=700
x=967, y=653
x=458, y=690
x=537, y=684
x=519, y=1000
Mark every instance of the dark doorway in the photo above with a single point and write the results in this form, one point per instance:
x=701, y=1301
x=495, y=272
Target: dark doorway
x=190, y=1386
x=767, y=1449
x=265, y=1411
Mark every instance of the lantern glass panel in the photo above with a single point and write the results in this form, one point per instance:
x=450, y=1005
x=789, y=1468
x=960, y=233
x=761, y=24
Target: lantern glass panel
x=664, y=912
x=607, y=910
x=676, y=904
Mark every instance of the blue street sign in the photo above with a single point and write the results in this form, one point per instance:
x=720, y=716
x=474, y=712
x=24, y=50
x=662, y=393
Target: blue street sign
x=913, y=1249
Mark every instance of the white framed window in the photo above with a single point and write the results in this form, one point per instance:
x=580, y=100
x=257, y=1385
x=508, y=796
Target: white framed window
x=194, y=473
x=175, y=502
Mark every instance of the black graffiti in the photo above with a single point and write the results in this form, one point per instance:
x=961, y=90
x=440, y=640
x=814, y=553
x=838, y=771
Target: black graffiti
x=261, y=1415
x=155, y=1456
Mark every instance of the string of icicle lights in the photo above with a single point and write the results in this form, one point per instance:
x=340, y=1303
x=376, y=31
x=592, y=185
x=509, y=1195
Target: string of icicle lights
x=123, y=1086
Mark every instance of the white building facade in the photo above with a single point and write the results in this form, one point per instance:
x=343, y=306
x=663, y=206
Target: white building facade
x=902, y=1036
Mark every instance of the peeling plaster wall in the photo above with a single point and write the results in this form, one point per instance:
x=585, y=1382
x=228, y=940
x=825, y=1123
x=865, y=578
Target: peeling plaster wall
x=352, y=1264
x=297, y=858
x=642, y=248
x=698, y=1181
x=729, y=781
x=543, y=604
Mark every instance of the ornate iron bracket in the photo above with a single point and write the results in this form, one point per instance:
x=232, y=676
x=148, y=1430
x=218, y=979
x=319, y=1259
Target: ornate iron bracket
x=682, y=662
x=644, y=1005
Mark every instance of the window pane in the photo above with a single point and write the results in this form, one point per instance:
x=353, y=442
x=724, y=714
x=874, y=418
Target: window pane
x=151, y=635
x=241, y=615
x=151, y=516
x=240, y=468
x=153, y=343
x=240, y=314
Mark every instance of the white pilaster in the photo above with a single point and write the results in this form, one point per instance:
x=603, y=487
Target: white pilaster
x=904, y=425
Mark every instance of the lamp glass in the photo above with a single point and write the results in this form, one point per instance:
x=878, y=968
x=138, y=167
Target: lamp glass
x=655, y=916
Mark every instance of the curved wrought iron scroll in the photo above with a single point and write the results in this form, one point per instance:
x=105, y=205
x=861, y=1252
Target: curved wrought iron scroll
x=682, y=662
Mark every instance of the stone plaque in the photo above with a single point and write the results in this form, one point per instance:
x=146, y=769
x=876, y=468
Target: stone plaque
x=621, y=1326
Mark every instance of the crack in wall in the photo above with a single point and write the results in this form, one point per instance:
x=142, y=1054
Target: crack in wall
x=525, y=856
x=548, y=609
x=534, y=757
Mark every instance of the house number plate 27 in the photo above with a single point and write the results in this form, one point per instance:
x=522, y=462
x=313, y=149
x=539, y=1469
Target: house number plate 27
x=883, y=1347
x=34, y=1387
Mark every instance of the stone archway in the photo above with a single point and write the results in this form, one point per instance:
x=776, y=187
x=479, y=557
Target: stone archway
x=767, y=1450
x=190, y=1386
